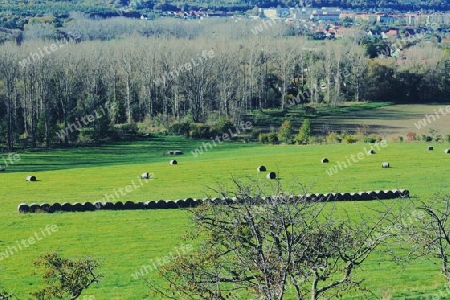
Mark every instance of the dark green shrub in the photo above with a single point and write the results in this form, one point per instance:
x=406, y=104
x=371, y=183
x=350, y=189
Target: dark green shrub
x=182, y=128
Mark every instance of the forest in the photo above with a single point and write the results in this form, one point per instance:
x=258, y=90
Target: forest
x=196, y=72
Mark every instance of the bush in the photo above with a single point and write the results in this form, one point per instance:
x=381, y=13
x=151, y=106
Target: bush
x=182, y=128
x=401, y=138
x=263, y=138
x=201, y=131
x=411, y=136
x=350, y=139
x=304, y=132
x=223, y=125
x=285, y=132
x=255, y=133
x=272, y=137
x=332, y=138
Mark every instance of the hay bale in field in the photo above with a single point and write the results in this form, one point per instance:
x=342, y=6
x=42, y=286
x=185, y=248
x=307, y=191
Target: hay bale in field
x=145, y=176
x=23, y=208
x=2, y=168
x=129, y=205
x=353, y=197
x=66, y=207
x=55, y=207
x=385, y=165
x=346, y=197
x=430, y=148
x=373, y=195
x=173, y=162
x=261, y=169
x=181, y=203
x=118, y=205
x=98, y=205
x=88, y=206
x=171, y=204
x=108, y=205
x=78, y=207
x=31, y=178
x=325, y=160
x=161, y=204
x=45, y=207
x=177, y=152
x=34, y=207
x=140, y=205
x=150, y=205
x=404, y=193
x=364, y=196
x=389, y=194
x=271, y=175
x=170, y=152
x=381, y=195
x=447, y=151
x=371, y=151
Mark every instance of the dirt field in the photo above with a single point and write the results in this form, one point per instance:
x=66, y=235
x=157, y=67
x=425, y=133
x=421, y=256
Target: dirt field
x=391, y=120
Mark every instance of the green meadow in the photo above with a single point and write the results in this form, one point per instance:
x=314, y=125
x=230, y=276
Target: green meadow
x=126, y=240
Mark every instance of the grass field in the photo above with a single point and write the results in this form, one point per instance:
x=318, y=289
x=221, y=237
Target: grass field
x=126, y=240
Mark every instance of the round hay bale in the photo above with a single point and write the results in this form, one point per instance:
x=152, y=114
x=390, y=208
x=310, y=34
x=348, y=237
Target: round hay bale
x=181, y=203
x=129, y=205
x=98, y=205
x=188, y=202
x=108, y=205
x=161, y=204
x=31, y=178
x=34, y=207
x=364, y=196
x=170, y=152
x=385, y=165
x=55, y=207
x=178, y=152
x=145, y=176
x=45, y=207
x=140, y=205
x=319, y=197
x=389, y=194
x=118, y=205
x=404, y=193
x=381, y=195
x=371, y=151
x=447, y=151
x=346, y=197
x=66, y=207
x=171, y=205
x=373, y=195
x=430, y=148
x=2, y=168
x=78, y=207
x=88, y=206
x=353, y=197
x=151, y=205
x=271, y=175
x=261, y=169
x=173, y=162
x=325, y=160
x=23, y=208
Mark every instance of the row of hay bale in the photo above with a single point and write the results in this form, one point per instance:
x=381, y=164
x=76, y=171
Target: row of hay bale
x=190, y=202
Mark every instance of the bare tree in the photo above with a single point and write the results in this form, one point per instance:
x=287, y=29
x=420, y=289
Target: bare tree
x=431, y=234
x=272, y=246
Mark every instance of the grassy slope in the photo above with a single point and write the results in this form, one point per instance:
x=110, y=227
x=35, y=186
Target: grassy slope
x=127, y=240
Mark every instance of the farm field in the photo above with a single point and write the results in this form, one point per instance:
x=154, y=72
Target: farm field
x=126, y=240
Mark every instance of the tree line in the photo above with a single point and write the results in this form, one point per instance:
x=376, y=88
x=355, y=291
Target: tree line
x=47, y=86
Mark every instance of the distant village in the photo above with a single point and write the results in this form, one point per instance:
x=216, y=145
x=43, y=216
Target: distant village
x=332, y=22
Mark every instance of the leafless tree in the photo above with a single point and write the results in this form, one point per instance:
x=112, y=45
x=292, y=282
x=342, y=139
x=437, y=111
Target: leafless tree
x=271, y=247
